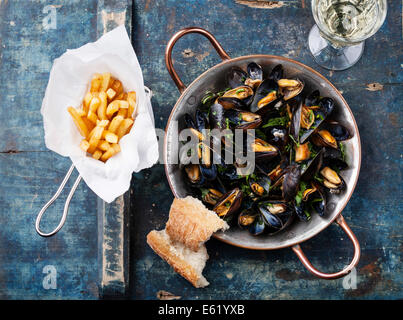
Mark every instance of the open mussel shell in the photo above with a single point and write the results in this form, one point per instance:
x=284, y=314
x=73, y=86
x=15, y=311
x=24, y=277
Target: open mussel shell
x=333, y=158
x=231, y=103
x=276, y=215
x=312, y=99
x=255, y=71
x=266, y=97
x=318, y=199
x=211, y=196
x=246, y=218
x=258, y=226
x=332, y=180
x=240, y=119
x=263, y=149
x=236, y=77
x=338, y=131
x=194, y=175
x=277, y=73
x=323, y=138
x=229, y=203
x=325, y=107
x=290, y=88
x=244, y=93
x=312, y=167
x=260, y=185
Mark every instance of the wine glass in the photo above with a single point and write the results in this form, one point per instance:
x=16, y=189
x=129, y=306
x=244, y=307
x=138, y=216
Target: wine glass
x=337, y=40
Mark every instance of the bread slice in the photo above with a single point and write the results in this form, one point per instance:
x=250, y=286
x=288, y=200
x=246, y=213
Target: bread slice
x=191, y=223
x=188, y=263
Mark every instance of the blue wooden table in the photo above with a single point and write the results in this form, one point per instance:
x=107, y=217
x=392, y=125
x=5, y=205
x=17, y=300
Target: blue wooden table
x=30, y=173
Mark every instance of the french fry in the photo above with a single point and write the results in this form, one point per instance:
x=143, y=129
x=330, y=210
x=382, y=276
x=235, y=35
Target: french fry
x=104, y=145
x=131, y=99
x=90, y=125
x=117, y=86
x=95, y=102
x=92, y=116
x=97, y=154
x=115, y=123
x=107, y=114
x=82, y=128
x=115, y=105
x=106, y=81
x=124, y=127
x=103, y=101
x=102, y=123
x=84, y=145
x=95, y=138
x=116, y=147
x=122, y=113
x=111, y=137
x=81, y=112
x=111, y=94
x=87, y=101
x=96, y=82
x=108, y=154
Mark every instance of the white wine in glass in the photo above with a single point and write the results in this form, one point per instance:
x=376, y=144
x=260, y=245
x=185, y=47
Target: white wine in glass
x=337, y=39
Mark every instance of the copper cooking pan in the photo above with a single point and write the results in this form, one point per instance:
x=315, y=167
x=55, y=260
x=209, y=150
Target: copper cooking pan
x=214, y=79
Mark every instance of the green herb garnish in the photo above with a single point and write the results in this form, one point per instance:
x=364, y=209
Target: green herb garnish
x=282, y=121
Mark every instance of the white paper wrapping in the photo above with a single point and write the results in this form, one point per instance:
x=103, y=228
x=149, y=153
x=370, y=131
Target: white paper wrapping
x=68, y=83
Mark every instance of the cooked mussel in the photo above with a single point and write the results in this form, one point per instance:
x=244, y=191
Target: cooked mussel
x=260, y=184
x=194, y=175
x=236, y=77
x=266, y=97
x=246, y=218
x=231, y=103
x=334, y=158
x=323, y=138
x=263, y=149
x=338, y=131
x=320, y=113
x=211, y=196
x=276, y=215
x=216, y=116
x=277, y=73
x=240, y=119
x=290, y=88
x=242, y=93
x=332, y=180
x=229, y=203
x=258, y=226
x=255, y=75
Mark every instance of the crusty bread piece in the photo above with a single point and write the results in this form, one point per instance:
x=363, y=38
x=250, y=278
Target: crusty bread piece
x=188, y=263
x=191, y=223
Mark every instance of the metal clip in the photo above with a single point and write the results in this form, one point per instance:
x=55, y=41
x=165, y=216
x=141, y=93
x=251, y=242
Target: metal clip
x=66, y=205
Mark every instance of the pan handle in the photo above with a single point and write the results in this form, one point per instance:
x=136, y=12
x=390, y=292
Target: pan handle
x=328, y=276
x=168, y=52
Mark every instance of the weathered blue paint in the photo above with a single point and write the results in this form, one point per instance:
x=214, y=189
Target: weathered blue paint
x=30, y=174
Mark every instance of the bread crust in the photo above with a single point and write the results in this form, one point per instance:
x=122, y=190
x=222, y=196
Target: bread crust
x=191, y=223
x=162, y=246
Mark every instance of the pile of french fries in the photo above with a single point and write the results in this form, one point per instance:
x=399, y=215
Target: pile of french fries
x=106, y=115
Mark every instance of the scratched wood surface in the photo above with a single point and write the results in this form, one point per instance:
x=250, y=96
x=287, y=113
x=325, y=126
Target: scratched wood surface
x=30, y=173
x=375, y=211
x=86, y=266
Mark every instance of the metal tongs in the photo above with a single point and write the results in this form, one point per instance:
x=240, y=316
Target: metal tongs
x=66, y=205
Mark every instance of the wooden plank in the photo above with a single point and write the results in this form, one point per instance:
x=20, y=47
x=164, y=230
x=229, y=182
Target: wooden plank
x=113, y=219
